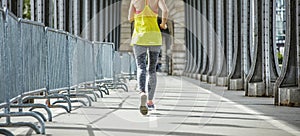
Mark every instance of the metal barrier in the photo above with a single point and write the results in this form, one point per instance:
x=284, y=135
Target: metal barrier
x=128, y=66
x=44, y=63
x=111, y=68
x=17, y=75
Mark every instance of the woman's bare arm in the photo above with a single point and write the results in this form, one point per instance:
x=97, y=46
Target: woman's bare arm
x=131, y=12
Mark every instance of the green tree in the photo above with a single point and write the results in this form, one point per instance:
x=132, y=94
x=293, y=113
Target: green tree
x=26, y=9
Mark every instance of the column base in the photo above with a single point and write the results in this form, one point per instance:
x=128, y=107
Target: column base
x=289, y=96
x=222, y=81
x=211, y=79
x=194, y=76
x=204, y=78
x=257, y=89
x=198, y=77
x=236, y=84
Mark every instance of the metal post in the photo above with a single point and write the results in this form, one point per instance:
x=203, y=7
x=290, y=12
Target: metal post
x=76, y=15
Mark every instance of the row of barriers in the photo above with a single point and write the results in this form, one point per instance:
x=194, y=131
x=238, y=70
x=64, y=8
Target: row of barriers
x=37, y=62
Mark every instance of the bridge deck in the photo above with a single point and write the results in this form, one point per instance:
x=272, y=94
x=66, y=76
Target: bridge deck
x=182, y=108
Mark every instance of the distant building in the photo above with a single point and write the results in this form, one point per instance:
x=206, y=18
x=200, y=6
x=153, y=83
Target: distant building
x=280, y=22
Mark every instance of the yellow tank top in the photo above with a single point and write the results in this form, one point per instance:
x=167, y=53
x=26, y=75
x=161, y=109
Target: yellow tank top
x=146, y=31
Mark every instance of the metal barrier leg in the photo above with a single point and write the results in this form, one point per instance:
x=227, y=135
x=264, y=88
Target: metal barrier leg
x=6, y=132
x=35, y=106
x=38, y=130
x=68, y=109
x=82, y=95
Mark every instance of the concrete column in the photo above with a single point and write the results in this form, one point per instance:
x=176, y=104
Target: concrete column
x=86, y=19
x=287, y=87
x=13, y=6
x=259, y=78
x=118, y=34
x=199, y=37
x=101, y=21
x=229, y=33
x=273, y=59
x=222, y=44
x=187, y=38
x=48, y=13
x=70, y=17
x=205, y=23
x=186, y=11
x=62, y=14
x=213, y=43
x=76, y=14
x=236, y=79
x=193, y=39
x=94, y=16
x=55, y=14
x=107, y=22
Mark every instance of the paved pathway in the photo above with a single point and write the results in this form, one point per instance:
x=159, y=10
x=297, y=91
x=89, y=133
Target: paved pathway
x=182, y=108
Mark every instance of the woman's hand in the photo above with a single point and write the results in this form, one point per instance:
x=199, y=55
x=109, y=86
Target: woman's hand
x=163, y=26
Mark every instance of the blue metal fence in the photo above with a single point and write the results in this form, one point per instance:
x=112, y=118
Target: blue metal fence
x=38, y=62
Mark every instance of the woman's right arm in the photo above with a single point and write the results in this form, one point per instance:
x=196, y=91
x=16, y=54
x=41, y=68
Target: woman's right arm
x=131, y=12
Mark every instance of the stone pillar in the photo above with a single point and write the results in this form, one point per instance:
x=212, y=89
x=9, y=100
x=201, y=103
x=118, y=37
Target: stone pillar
x=205, y=23
x=86, y=20
x=259, y=78
x=101, y=21
x=17, y=7
x=236, y=79
x=70, y=17
x=199, y=38
x=222, y=44
x=95, y=23
x=187, y=38
x=213, y=63
x=194, y=40
x=287, y=86
x=76, y=15
x=107, y=22
x=49, y=13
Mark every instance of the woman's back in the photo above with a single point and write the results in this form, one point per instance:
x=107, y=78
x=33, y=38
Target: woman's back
x=140, y=5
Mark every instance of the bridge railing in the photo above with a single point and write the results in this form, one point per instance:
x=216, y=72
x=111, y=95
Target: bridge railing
x=37, y=62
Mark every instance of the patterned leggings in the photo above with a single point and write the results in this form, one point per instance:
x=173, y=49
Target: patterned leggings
x=142, y=53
